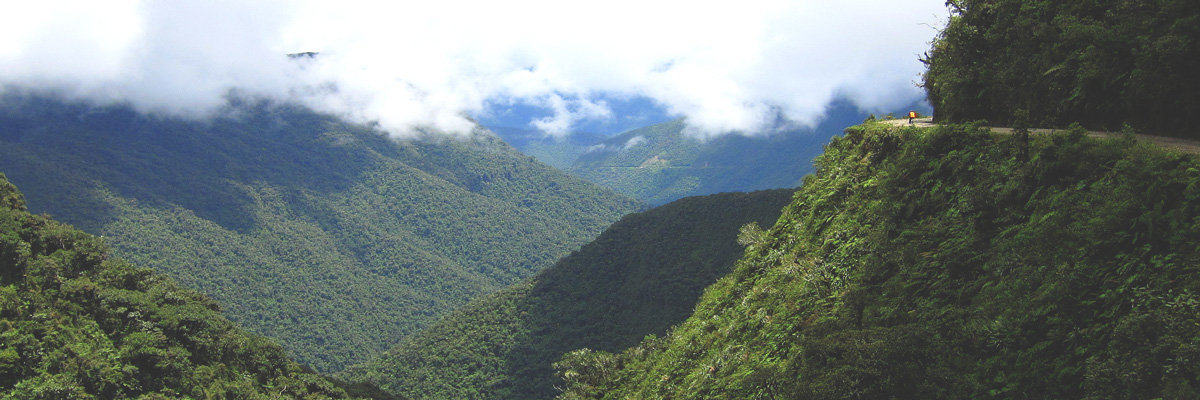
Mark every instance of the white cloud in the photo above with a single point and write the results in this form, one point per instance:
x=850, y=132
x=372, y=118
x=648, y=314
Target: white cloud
x=596, y=148
x=726, y=66
x=567, y=112
x=63, y=44
x=633, y=141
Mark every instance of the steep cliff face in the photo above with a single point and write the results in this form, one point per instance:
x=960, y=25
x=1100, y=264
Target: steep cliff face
x=948, y=263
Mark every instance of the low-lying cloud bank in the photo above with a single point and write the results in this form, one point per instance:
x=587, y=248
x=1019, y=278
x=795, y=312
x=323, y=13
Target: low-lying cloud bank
x=726, y=67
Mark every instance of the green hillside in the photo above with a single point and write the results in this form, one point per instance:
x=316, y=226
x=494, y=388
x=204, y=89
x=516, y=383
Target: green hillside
x=76, y=323
x=639, y=277
x=1103, y=63
x=948, y=263
x=326, y=236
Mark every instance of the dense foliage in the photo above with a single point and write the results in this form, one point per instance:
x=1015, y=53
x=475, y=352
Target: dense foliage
x=327, y=236
x=948, y=263
x=639, y=277
x=1103, y=63
x=78, y=324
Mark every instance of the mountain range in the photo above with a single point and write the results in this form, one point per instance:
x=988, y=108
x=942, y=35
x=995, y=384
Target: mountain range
x=328, y=236
x=942, y=261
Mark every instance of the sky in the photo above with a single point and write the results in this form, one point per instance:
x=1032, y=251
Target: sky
x=725, y=66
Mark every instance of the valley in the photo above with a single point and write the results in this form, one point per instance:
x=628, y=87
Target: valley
x=638, y=278
x=701, y=204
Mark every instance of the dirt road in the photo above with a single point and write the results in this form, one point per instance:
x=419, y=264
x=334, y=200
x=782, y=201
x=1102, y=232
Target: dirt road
x=1182, y=145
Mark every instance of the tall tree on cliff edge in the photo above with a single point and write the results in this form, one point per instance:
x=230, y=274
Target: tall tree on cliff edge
x=1103, y=63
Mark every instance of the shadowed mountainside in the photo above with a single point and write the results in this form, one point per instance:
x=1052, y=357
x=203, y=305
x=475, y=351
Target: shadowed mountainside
x=639, y=277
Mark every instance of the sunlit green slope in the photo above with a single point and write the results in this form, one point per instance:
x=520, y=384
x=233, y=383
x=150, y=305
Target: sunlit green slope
x=948, y=263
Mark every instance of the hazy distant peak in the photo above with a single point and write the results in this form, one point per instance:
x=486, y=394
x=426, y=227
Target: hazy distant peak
x=306, y=54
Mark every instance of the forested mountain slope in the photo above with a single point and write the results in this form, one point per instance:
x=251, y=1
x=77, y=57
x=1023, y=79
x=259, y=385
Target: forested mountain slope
x=948, y=263
x=1102, y=63
x=76, y=323
x=639, y=277
x=663, y=162
x=327, y=236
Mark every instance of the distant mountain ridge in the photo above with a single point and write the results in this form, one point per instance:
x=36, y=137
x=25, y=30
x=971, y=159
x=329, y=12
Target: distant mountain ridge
x=662, y=162
x=325, y=235
x=558, y=152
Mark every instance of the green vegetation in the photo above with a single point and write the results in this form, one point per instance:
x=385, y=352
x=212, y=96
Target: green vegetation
x=947, y=263
x=326, y=236
x=78, y=324
x=638, y=278
x=1103, y=63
